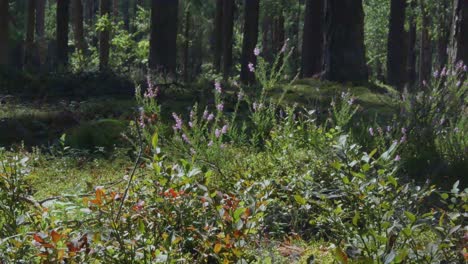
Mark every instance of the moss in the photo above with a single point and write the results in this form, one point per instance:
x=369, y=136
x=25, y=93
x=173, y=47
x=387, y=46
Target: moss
x=101, y=133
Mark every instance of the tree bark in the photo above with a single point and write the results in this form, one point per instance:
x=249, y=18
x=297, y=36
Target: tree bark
x=344, y=56
x=187, y=45
x=126, y=14
x=40, y=30
x=163, y=42
x=78, y=26
x=425, y=51
x=411, y=53
x=396, y=37
x=459, y=35
x=104, y=37
x=115, y=9
x=29, y=42
x=251, y=15
x=313, y=39
x=63, y=7
x=4, y=32
x=218, y=35
x=228, y=30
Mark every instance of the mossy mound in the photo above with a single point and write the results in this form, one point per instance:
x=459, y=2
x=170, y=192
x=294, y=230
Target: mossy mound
x=101, y=133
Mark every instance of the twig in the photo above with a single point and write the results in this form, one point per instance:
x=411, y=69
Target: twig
x=137, y=161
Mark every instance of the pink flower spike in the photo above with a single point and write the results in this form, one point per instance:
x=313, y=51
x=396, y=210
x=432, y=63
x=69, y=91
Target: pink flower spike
x=256, y=51
x=397, y=158
x=251, y=67
x=218, y=87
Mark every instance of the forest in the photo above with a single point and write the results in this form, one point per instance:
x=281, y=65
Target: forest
x=234, y=131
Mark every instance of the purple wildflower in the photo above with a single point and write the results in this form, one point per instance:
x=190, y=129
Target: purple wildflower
x=217, y=133
x=240, y=95
x=185, y=138
x=389, y=128
x=443, y=73
x=210, y=117
x=465, y=68
x=285, y=46
x=205, y=114
x=403, y=139
x=178, y=120
x=256, y=51
x=459, y=65
x=220, y=107
x=397, y=158
x=351, y=101
x=436, y=74
x=458, y=83
x=224, y=129
x=371, y=131
x=218, y=87
x=251, y=67
x=190, y=124
x=210, y=143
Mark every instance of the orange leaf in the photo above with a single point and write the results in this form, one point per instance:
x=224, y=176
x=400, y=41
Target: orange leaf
x=38, y=239
x=55, y=236
x=217, y=248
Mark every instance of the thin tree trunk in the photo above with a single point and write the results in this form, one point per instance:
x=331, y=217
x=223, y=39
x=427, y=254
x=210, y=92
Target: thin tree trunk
x=250, y=40
x=126, y=14
x=228, y=30
x=312, y=45
x=344, y=56
x=163, y=42
x=104, y=37
x=396, y=37
x=218, y=35
x=187, y=45
x=29, y=43
x=40, y=31
x=63, y=7
x=4, y=32
x=411, y=53
x=425, y=52
x=78, y=26
x=459, y=35
x=115, y=9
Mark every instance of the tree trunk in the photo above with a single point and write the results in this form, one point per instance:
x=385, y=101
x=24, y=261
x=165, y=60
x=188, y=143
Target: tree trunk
x=396, y=37
x=104, y=37
x=459, y=35
x=29, y=42
x=312, y=45
x=126, y=14
x=40, y=30
x=425, y=52
x=228, y=30
x=115, y=9
x=411, y=53
x=4, y=34
x=187, y=45
x=250, y=40
x=444, y=36
x=78, y=26
x=163, y=42
x=344, y=56
x=63, y=7
x=218, y=35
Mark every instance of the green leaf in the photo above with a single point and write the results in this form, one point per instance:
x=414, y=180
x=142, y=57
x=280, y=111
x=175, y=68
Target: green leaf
x=345, y=180
x=299, y=199
x=444, y=196
x=154, y=140
x=410, y=216
x=356, y=218
x=392, y=181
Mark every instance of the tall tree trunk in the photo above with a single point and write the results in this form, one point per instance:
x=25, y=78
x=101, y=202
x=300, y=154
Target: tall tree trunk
x=115, y=9
x=396, y=37
x=4, y=34
x=163, y=42
x=279, y=32
x=411, y=53
x=444, y=36
x=459, y=35
x=312, y=45
x=78, y=29
x=40, y=31
x=228, y=30
x=250, y=40
x=63, y=7
x=104, y=37
x=187, y=44
x=126, y=14
x=344, y=56
x=218, y=35
x=267, y=39
x=29, y=42
x=425, y=52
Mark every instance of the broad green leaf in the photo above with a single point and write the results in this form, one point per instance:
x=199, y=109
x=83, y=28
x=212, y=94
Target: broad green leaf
x=410, y=216
x=299, y=199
